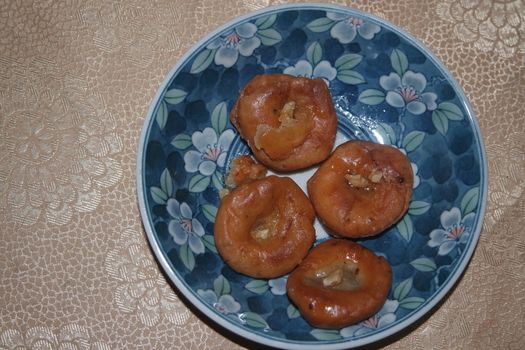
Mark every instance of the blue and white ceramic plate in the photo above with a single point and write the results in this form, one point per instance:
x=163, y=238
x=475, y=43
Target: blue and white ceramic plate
x=387, y=88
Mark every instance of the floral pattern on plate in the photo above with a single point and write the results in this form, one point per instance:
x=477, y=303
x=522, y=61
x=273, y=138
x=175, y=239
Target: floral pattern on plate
x=386, y=88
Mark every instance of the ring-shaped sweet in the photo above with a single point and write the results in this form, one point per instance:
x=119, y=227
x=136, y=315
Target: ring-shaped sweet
x=264, y=228
x=339, y=283
x=288, y=122
x=361, y=189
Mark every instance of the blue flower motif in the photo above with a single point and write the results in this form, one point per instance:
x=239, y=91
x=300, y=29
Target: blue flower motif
x=407, y=91
x=224, y=304
x=347, y=27
x=303, y=68
x=455, y=231
x=242, y=40
x=278, y=286
x=211, y=151
x=184, y=228
x=384, y=317
x=415, y=170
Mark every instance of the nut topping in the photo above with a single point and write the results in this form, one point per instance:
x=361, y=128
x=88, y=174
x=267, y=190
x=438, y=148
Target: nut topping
x=356, y=180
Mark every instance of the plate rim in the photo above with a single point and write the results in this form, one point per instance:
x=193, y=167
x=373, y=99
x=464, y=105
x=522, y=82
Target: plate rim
x=190, y=295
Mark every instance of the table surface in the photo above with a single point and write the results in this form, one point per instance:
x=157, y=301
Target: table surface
x=76, y=80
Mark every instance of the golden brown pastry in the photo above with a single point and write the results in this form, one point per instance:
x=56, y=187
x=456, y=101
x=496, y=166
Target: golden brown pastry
x=264, y=227
x=362, y=189
x=339, y=283
x=288, y=122
x=243, y=169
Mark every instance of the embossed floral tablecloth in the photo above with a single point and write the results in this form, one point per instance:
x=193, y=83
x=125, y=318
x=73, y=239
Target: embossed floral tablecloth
x=76, y=80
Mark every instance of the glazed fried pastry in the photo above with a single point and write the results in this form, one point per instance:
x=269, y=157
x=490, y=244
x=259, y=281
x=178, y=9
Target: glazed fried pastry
x=339, y=283
x=288, y=122
x=362, y=189
x=264, y=227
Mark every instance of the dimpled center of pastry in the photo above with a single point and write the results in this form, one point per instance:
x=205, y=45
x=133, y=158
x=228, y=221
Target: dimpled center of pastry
x=265, y=227
x=292, y=132
x=362, y=182
x=341, y=276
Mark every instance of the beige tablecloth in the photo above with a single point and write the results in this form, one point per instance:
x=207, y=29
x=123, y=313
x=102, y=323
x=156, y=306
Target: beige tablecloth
x=76, y=79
